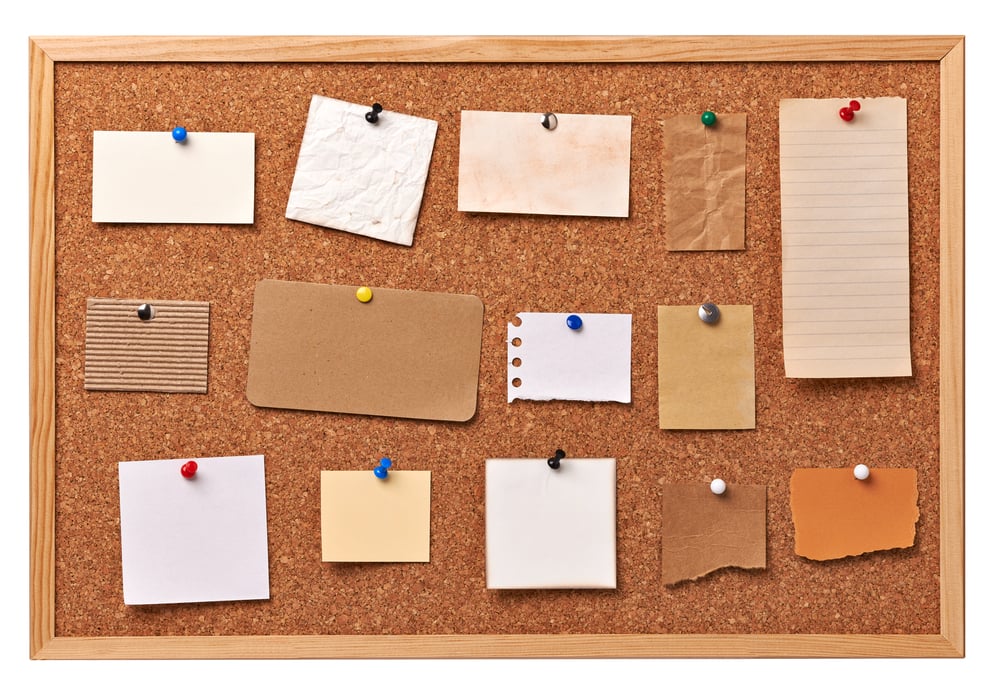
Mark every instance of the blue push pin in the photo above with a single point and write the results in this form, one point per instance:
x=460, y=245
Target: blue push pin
x=574, y=322
x=382, y=469
x=179, y=134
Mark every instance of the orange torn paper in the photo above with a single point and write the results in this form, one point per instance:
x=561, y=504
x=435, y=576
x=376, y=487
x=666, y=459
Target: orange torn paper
x=836, y=515
x=703, y=532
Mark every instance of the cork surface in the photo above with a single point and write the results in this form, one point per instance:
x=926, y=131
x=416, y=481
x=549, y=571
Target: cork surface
x=513, y=263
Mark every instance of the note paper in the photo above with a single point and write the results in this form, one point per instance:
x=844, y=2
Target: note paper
x=547, y=360
x=368, y=519
x=403, y=354
x=845, y=239
x=550, y=529
x=361, y=177
x=704, y=180
x=706, y=371
x=199, y=539
x=147, y=177
x=703, y=532
x=836, y=515
x=166, y=354
x=509, y=163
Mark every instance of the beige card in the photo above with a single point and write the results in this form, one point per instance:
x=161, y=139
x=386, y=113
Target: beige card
x=509, y=163
x=706, y=371
x=367, y=519
x=704, y=181
x=403, y=354
x=168, y=353
x=703, y=532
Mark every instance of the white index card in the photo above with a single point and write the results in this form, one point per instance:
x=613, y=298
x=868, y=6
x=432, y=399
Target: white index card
x=551, y=528
x=147, y=177
x=547, y=360
x=510, y=163
x=845, y=239
x=199, y=539
x=361, y=177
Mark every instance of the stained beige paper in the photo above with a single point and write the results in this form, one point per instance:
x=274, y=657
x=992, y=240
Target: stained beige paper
x=706, y=371
x=703, y=532
x=367, y=519
x=704, y=182
x=509, y=163
x=167, y=354
x=403, y=354
x=836, y=515
x=845, y=239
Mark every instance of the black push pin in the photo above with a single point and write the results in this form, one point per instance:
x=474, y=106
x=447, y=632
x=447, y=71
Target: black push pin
x=145, y=312
x=554, y=461
x=372, y=115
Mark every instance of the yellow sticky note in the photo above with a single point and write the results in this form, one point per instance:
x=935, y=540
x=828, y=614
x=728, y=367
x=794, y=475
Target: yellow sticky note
x=367, y=519
x=706, y=371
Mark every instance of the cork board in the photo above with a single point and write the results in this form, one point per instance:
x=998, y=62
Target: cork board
x=899, y=603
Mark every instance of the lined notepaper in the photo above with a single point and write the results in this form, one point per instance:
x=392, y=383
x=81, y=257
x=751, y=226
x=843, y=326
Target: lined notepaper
x=845, y=239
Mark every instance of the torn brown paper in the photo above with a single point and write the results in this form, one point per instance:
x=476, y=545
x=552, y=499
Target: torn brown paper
x=703, y=532
x=706, y=371
x=836, y=515
x=367, y=519
x=403, y=354
x=704, y=182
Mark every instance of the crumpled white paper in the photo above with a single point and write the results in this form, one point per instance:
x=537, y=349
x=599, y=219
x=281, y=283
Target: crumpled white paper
x=361, y=177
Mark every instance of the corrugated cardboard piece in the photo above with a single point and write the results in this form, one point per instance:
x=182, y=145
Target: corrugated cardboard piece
x=403, y=354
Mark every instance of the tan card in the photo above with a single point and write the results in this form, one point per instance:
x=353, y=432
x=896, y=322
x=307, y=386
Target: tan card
x=510, y=163
x=704, y=181
x=836, y=515
x=706, y=371
x=402, y=354
x=166, y=353
x=367, y=519
x=703, y=532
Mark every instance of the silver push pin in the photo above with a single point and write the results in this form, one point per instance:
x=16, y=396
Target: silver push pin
x=145, y=312
x=709, y=313
x=549, y=121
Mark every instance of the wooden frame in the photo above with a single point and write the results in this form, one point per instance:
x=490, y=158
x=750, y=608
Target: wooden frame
x=948, y=51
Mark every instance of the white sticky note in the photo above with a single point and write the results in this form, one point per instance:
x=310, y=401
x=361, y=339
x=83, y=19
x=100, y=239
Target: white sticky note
x=547, y=360
x=550, y=529
x=845, y=239
x=147, y=177
x=198, y=539
x=361, y=177
x=509, y=163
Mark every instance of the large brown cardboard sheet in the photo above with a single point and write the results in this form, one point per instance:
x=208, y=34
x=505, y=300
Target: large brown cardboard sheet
x=403, y=354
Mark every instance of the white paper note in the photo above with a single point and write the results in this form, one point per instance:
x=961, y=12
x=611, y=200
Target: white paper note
x=547, y=360
x=361, y=177
x=147, y=177
x=845, y=239
x=550, y=529
x=509, y=163
x=199, y=539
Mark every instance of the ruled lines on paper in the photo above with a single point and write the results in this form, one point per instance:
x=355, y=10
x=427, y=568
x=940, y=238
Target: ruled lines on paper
x=845, y=239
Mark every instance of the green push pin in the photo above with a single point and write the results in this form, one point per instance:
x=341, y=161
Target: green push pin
x=708, y=118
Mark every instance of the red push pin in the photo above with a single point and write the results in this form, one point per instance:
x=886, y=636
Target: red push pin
x=188, y=469
x=847, y=113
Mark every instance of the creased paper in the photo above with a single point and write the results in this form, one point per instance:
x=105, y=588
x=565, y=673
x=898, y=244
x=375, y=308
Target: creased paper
x=361, y=177
x=704, y=180
x=547, y=360
x=703, y=532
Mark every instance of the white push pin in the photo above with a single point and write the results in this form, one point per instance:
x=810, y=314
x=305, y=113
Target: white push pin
x=861, y=472
x=718, y=487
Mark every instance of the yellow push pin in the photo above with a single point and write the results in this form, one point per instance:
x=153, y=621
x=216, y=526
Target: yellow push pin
x=364, y=294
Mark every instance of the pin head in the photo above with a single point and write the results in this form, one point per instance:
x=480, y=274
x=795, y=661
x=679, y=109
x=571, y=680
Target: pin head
x=554, y=461
x=574, y=322
x=718, y=487
x=549, y=121
x=709, y=313
x=145, y=312
x=861, y=472
x=188, y=469
x=179, y=134
x=364, y=294
x=708, y=118
x=847, y=112
x=382, y=469
x=372, y=115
